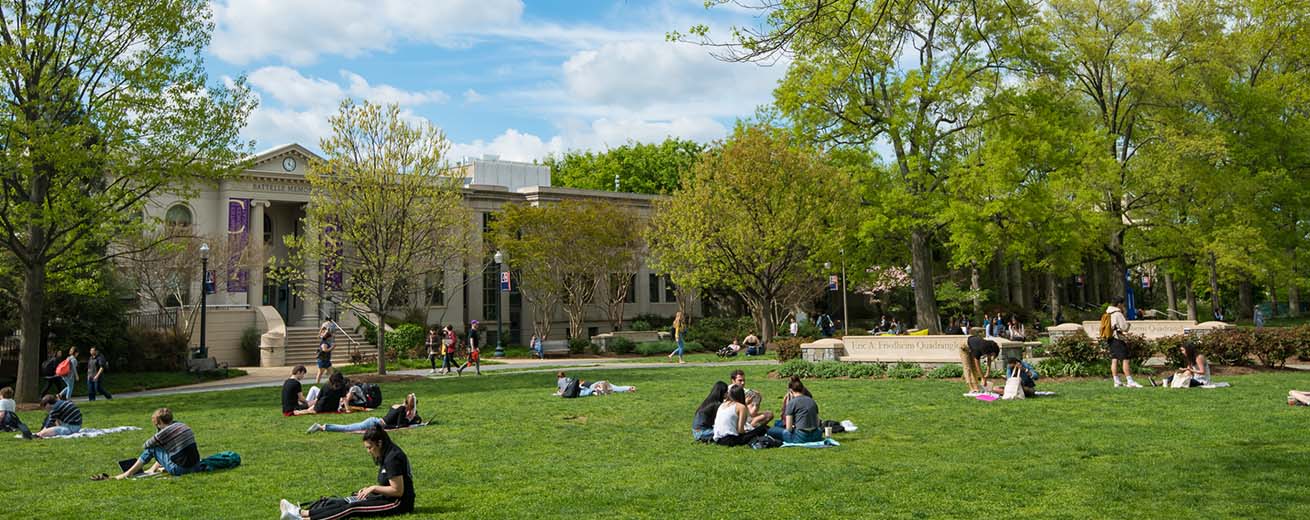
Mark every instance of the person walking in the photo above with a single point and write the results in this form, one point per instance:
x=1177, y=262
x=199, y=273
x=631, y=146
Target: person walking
x=326, y=342
x=449, y=344
x=68, y=370
x=1115, y=339
x=95, y=375
x=475, y=357
x=435, y=348
x=679, y=329
x=52, y=380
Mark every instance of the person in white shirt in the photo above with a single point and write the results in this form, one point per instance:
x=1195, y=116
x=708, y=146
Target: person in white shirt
x=794, y=328
x=1119, y=347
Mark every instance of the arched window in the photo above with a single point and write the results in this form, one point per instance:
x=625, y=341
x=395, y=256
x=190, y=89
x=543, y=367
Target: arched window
x=178, y=216
x=268, y=230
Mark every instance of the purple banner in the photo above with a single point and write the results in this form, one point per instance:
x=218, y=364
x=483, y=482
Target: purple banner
x=332, y=258
x=238, y=235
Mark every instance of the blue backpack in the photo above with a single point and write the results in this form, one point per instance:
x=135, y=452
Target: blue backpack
x=221, y=460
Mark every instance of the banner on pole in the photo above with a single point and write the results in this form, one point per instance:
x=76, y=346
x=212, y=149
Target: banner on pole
x=504, y=282
x=832, y=282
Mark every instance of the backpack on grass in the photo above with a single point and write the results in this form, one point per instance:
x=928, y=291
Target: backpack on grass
x=372, y=395
x=64, y=367
x=221, y=460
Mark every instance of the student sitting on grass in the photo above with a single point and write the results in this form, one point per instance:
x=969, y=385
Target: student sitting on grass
x=393, y=494
x=173, y=447
x=756, y=416
x=331, y=399
x=1195, y=370
x=1298, y=398
x=293, y=399
x=730, y=421
x=702, y=425
x=62, y=418
x=1027, y=377
x=9, y=420
x=402, y=415
x=731, y=350
x=800, y=416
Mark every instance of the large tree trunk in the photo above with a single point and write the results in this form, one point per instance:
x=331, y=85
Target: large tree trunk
x=1214, y=285
x=1245, y=300
x=1016, y=285
x=1170, y=296
x=1053, y=293
x=1293, y=301
x=1094, y=283
x=925, y=300
x=1191, y=300
x=1002, y=270
x=974, y=287
x=1118, y=282
x=1273, y=299
x=382, y=340
x=29, y=353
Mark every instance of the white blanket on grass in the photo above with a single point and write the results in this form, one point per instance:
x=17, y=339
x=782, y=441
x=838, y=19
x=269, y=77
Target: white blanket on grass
x=92, y=432
x=825, y=443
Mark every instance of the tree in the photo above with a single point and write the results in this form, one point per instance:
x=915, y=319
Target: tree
x=105, y=105
x=912, y=75
x=621, y=252
x=760, y=213
x=636, y=167
x=382, y=212
x=526, y=236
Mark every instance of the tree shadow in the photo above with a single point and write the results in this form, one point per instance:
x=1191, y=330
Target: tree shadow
x=436, y=510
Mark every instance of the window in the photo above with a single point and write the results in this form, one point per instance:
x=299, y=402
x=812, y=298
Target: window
x=178, y=216
x=670, y=290
x=654, y=288
x=268, y=230
x=631, y=297
x=490, y=291
x=399, y=295
x=436, y=289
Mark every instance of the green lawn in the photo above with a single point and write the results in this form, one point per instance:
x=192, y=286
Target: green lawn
x=503, y=447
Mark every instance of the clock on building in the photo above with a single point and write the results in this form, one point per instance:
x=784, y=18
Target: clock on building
x=289, y=164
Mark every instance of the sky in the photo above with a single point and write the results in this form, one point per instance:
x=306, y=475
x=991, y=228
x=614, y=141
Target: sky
x=522, y=79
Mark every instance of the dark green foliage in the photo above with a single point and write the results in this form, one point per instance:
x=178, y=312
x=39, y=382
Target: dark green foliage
x=829, y=369
x=405, y=340
x=788, y=348
x=719, y=332
x=1077, y=348
x=653, y=322
x=946, y=372
x=653, y=168
x=250, y=344
x=866, y=370
x=797, y=368
x=639, y=325
x=150, y=350
x=578, y=345
x=652, y=348
x=621, y=345
x=905, y=371
x=806, y=329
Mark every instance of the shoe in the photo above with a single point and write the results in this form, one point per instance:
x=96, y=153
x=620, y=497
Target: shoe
x=316, y=427
x=1152, y=380
x=289, y=511
x=433, y=371
x=1132, y=384
x=1118, y=384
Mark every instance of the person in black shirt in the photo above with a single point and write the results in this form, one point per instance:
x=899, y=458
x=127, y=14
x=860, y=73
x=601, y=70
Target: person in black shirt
x=393, y=494
x=402, y=415
x=329, y=399
x=293, y=399
x=475, y=343
x=702, y=426
x=974, y=350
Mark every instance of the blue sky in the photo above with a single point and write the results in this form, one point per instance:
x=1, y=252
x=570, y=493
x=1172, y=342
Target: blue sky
x=521, y=79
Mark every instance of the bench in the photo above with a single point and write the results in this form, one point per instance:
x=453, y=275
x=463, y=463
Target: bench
x=555, y=347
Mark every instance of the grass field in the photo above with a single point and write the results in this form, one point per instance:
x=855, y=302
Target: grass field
x=118, y=383
x=503, y=447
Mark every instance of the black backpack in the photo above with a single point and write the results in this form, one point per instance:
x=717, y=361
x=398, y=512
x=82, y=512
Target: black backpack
x=372, y=395
x=48, y=369
x=571, y=389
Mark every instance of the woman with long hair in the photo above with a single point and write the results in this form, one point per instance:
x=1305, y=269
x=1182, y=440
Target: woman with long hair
x=800, y=416
x=702, y=426
x=679, y=330
x=401, y=415
x=730, y=421
x=393, y=494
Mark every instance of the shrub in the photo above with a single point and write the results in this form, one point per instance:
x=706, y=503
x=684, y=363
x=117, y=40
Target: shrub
x=639, y=325
x=946, y=372
x=718, y=332
x=1168, y=347
x=152, y=350
x=402, y=340
x=654, y=321
x=250, y=344
x=1077, y=348
x=788, y=348
x=1228, y=346
x=807, y=329
x=905, y=371
x=621, y=345
x=1272, y=346
x=1101, y=368
x=830, y=369
x=796, y=367
x=866, y=370
x=578, y=345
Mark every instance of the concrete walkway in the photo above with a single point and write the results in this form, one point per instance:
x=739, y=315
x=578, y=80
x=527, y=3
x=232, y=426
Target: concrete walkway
x=260, y=377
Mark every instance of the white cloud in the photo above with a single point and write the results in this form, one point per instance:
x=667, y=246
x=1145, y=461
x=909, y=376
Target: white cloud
x=512, y=145
x=600, y=134
x=299, y=31
x=387, y=94
x=472, y=96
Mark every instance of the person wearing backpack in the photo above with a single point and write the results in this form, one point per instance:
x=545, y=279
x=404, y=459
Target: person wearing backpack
x=68, y=370
x=1114, y=328
x=52, y=380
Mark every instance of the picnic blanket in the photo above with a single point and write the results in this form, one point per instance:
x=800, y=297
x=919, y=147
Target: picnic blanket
x=92, y=432
x=825, y=443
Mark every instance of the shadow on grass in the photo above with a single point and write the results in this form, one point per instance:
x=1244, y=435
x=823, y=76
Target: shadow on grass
x=436, y=510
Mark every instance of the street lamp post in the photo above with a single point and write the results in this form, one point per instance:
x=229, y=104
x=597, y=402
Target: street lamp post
x=499, y=258
x=203, y=352
x=845, y=320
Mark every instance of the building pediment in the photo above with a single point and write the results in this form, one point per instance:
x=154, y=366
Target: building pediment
x=289, y=158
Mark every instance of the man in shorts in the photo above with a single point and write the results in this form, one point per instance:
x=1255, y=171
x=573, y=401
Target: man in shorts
x=1117, y=344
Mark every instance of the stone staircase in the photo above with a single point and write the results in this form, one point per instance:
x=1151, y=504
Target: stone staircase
x=302, y=346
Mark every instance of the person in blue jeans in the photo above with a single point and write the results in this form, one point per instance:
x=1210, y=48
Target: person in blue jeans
x=95, y=375
x=800, y=416
x=679, y=330
x=536, y=347
x=62, y=417
x=173, y=448
x=702, y=425
x=71, y=378
x=401, y=415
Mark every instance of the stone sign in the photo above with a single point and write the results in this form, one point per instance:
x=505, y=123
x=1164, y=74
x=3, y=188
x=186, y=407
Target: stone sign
x=1151, y=329
x=828, y=349
x=913, y=349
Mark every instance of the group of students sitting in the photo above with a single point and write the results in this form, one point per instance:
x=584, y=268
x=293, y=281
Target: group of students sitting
x=731, y=416
x=751, y=343
x=339, y=395
x=62, y=416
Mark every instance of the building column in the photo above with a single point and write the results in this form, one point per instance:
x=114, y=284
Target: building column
x=309, y=303
x=220, y=238
x=255, y=293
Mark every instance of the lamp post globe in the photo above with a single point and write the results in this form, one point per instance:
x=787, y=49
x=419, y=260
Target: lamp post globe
x=203, y=352
x=499, y=258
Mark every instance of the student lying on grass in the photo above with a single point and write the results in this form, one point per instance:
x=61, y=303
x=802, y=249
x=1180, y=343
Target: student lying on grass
x=393, y=494
x=62, y=418
x=566, y=386
x=173, y=447
x=1298, y=398
x=402, y=415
